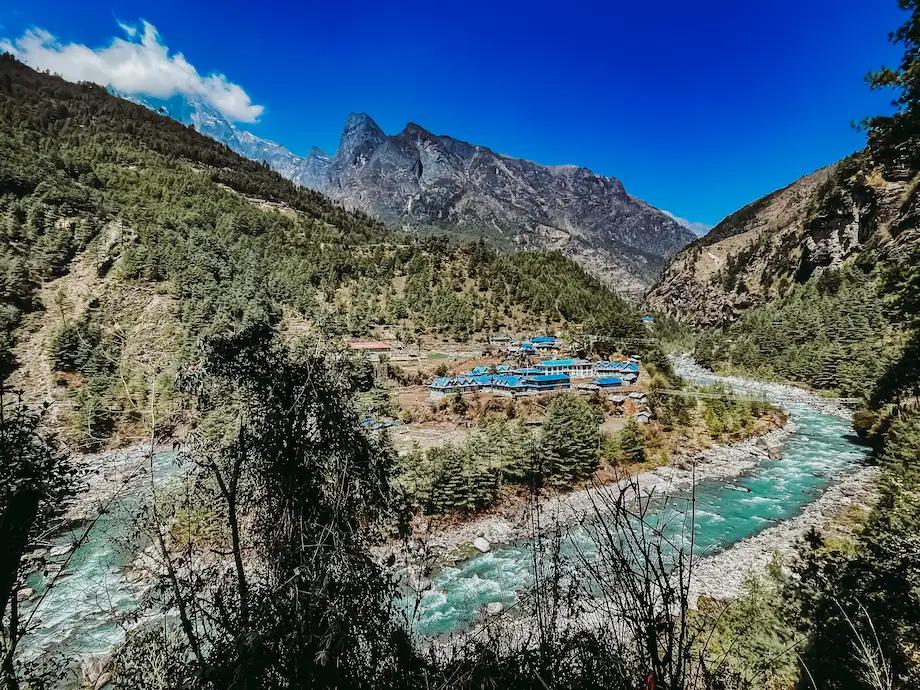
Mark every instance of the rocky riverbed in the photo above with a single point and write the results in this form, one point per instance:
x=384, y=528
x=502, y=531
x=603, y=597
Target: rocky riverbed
x=722, y=575
x=445, y=546
x=779, y=393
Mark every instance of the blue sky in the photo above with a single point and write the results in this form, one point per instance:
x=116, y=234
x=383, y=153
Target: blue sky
x=698, y=107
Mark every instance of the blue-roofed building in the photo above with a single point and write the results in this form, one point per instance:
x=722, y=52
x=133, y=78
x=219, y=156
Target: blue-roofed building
x=548, y=382
x=606, y=382
x=448, y=385
x=603, y=368
x=545, y=343
x=528, y=371
x=576, y=368
x=525, y=346
x=509, y=384
x=503, y=368
x=479, y=371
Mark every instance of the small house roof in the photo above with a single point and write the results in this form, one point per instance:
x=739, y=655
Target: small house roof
x=608, y=381
x=543, y=339
x=619, y=398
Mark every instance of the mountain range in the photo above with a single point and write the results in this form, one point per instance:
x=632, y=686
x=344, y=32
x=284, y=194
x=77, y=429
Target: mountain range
x=425, y=182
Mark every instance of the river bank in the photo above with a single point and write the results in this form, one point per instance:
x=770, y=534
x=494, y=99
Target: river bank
x=748, y=504
x=448, y=545
x=77, y=591
x=722, y=576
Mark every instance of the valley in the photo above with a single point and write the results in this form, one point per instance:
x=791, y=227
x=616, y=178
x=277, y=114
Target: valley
x=415, y=414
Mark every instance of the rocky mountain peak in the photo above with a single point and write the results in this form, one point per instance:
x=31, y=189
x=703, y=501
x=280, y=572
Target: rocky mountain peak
x=360, y=136
x=419, y=179
x=436, y=182
x=415, y=130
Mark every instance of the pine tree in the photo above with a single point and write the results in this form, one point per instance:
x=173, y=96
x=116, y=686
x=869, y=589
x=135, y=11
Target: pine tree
x=571, y=438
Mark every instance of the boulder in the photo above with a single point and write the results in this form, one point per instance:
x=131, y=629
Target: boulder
x=482, y=545
x=97, y=671
x=494, y=608
x=60, y=550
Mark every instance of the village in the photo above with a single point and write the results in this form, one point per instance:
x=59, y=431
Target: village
x=524, y=373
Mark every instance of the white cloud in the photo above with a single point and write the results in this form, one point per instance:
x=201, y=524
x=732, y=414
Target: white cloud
x=139, y=64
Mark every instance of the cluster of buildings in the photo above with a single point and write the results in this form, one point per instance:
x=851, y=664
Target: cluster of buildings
x=540, y=344
x=546, y=376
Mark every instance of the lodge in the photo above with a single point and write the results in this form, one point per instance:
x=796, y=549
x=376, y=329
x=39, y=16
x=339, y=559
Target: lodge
x=576, y=368
x=546, y=376
x=502, y=384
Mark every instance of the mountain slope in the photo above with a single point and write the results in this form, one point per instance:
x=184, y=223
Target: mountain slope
x=865, y=205
x=128, y=237
x=427, y=180
x=423, y=181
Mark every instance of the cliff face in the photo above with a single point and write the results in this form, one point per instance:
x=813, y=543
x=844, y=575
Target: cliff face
x=858, y=205
x=422, y=180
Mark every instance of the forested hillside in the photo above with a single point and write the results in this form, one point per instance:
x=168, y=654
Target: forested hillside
x=848, y=321
x=798, y=285
x=836, y=332
x=126, y=233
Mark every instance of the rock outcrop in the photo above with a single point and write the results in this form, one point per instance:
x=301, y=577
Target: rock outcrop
x=857, y=207
x=426, y=181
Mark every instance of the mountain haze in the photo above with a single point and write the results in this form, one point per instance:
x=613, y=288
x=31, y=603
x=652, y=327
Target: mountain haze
x=427, y=182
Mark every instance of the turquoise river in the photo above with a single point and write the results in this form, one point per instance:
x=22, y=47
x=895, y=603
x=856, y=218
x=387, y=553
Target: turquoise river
x=821, y=450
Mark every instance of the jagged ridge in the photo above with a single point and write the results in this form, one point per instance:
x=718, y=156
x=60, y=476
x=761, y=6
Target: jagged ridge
x=424, y=181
